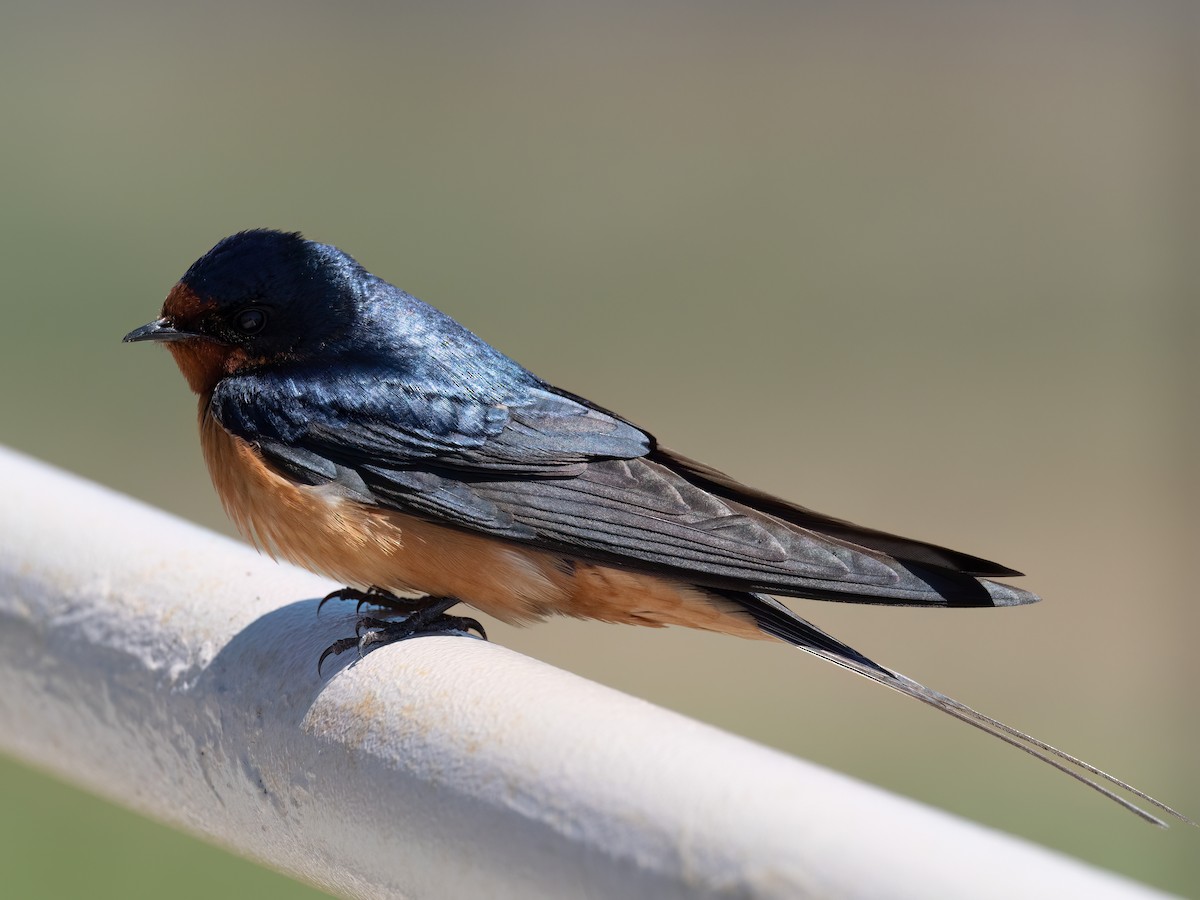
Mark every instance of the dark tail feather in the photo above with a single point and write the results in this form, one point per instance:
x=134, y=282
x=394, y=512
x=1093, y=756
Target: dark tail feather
x=778, y=621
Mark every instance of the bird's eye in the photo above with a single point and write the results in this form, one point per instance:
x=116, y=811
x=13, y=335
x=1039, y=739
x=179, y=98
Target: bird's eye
x=250, y=321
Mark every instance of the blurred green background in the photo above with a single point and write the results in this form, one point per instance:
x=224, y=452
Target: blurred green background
x=931, y=267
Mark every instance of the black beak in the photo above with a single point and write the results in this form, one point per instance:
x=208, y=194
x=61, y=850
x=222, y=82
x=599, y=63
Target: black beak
x=158, y=330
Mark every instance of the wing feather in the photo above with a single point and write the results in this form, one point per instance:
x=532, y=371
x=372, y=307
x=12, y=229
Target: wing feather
x=536, y=465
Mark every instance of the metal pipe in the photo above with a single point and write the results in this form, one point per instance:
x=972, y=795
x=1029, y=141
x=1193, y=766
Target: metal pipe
x=174, y=671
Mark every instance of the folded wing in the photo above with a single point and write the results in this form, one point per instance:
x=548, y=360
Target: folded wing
x=549, y=469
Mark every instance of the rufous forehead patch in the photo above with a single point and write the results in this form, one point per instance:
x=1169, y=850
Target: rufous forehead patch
x=183, y=304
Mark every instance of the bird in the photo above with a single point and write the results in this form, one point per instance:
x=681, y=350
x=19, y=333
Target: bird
x=354, y=430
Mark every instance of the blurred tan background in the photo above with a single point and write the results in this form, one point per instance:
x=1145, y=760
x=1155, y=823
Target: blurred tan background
x=931, y=267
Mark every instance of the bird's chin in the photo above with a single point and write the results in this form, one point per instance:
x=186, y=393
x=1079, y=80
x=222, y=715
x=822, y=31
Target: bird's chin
x=204, y=362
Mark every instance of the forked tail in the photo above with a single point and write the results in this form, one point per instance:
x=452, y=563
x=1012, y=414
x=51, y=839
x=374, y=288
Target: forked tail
x=778, y=621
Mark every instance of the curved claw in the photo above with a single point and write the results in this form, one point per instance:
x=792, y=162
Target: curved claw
x=450, y=624
x=330, y=596
x=334, y=649
x=473, y=625
x=339, y=594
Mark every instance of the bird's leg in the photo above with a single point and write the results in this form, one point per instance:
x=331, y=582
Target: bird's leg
x=429, y=618
x=377, y=596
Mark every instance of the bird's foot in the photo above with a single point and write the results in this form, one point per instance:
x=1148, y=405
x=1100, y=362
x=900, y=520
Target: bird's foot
x=428, y=619
x=377, y=596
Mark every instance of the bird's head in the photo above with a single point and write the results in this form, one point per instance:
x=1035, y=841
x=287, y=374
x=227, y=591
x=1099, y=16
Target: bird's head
x=255, y=299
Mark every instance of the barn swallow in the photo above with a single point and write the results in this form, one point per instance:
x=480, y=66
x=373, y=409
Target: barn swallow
x=354, y=430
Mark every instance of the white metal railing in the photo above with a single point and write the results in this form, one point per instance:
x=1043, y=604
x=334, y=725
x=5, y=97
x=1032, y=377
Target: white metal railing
x=174, y=672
